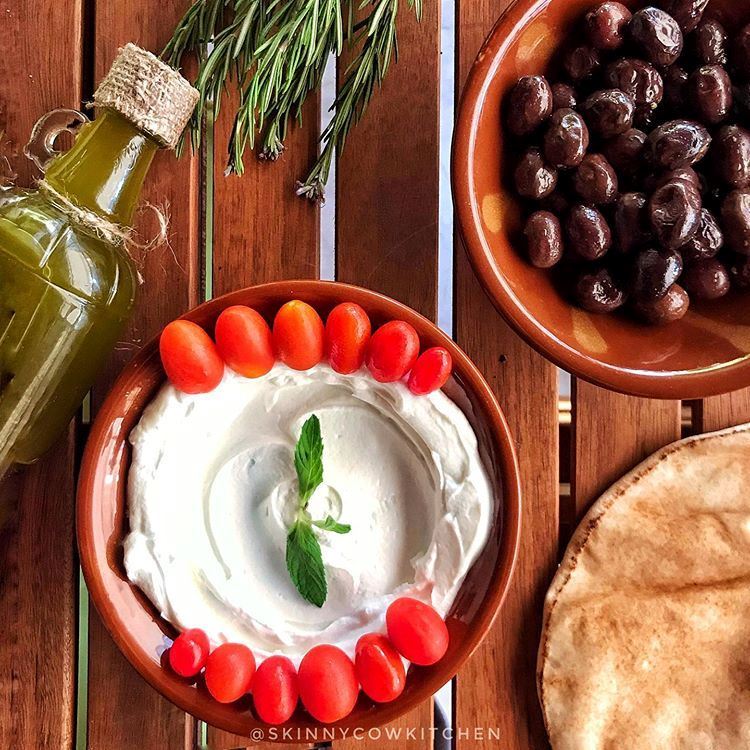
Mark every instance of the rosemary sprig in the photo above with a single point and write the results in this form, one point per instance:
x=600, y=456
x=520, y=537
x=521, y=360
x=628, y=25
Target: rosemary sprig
x=366, y=70
x=275, y=52
x=288, y=64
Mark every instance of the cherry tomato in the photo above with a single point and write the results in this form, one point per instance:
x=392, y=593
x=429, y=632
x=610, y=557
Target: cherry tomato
x=431, y=371
x=275, y=690
x=327, y=683
x=298, y=335
x=190, y=358
x=393, y=351
x=379, y=668
x=189, y=652
x=229, y=672
x=243, y=339
x=417, y=631
x=347, y=333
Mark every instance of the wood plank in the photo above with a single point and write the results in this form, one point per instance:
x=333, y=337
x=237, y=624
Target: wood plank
x=123, y=710
x=496, y=689
x=387, y=176
x=262, y=232
x=611, y=434
x=38, y=603
x=722, y=411
x=387, y=213
x=38, y=568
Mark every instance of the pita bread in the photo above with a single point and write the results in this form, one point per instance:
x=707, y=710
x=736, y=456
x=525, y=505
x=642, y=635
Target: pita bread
x=646, y=636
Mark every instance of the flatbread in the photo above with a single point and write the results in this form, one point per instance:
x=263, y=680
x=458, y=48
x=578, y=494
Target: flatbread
x=646, y=636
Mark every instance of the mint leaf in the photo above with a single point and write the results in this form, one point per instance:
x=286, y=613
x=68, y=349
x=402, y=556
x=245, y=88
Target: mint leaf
x=308, y=459
x=305, y=563
x=304, y=560
x=331, y=524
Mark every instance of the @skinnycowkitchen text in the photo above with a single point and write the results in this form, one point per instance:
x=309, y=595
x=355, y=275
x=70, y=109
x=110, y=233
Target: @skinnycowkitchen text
x=408, y=734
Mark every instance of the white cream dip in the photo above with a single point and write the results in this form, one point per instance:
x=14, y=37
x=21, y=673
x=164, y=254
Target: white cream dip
x=212, y=491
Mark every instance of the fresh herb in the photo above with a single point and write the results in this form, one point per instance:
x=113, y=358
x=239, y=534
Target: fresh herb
x=275, y=52
x=305, y=563
x=304, y=560
x=331, y=524
x=308, y=459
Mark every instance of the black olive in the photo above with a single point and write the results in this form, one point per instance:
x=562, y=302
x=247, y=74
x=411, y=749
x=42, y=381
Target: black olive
x=534, y=179
x=678, y=143
x=544, y=239
x=599, y=292
x=587, y=232
x=594, y=180
x=605, y=25
x=655, y=271
x=657, y=35
x=608, y=112
x=667, y=309
x=529, y=105
x=566, y=139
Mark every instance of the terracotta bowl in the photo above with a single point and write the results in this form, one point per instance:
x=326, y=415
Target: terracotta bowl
x=705, y=353
x=102, y=518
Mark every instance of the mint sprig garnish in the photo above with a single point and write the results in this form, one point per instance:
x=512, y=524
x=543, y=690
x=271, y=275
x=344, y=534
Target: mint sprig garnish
x=305, y=563
x=308, y=459
x=304, y=560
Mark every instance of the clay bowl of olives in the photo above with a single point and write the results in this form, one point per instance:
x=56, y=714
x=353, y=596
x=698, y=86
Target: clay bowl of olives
x=606, y=210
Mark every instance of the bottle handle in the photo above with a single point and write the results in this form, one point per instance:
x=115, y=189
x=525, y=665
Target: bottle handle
x=41, y=146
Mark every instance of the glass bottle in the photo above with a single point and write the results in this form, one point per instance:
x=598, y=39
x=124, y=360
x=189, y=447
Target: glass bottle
x=67, y=282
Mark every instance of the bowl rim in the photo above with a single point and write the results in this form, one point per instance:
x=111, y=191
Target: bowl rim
x=680, y=384
x=502, y=573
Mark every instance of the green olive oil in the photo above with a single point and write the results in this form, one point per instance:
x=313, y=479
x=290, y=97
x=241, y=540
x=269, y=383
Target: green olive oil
x=67, y=281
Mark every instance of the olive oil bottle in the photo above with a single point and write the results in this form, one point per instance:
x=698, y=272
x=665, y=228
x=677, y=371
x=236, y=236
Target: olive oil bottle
x=67, y=281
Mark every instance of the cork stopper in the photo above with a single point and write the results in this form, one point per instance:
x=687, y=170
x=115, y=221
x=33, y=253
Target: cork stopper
x=148, y=93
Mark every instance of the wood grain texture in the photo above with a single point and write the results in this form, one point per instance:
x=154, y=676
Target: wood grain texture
x=387, y=215
x=124, y=711
x=496, y=690
x=262, y=232
x=722, y=411
x=38, y=604
x=38, y=568
x=387, y=176
x=611, y=434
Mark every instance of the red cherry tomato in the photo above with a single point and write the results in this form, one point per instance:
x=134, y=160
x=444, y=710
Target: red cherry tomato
x=379, y=668
x=298, y=335
x=417, y=631
x=243, y=339
x=393, y=351
x=190, y=358
x=347, y=333
x=327, y=683
x=431, y=371
x=229, y=672
x=275, y=690
x=189, y=652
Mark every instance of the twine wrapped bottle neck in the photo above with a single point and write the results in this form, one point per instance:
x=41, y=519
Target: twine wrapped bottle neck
x=142, y=104
x=149, y=94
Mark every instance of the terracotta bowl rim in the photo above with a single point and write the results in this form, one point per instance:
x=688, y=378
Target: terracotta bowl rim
x=492, y=416
x=678, y=384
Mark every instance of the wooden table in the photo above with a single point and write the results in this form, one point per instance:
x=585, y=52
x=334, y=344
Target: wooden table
x=62, y=681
